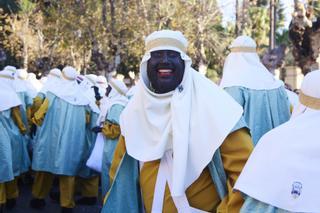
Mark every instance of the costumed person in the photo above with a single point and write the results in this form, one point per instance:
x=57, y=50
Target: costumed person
x=88, y=179
x=111, y=107
x=60, y=141
x=282, y=173
x=247, y=80
x=183, y=140
x=14, y=159
x=102, y=84
x=32, y=79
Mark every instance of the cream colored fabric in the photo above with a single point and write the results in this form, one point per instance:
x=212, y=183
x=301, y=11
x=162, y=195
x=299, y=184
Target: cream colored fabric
x=153, y=123
x=23, y=85
x=243, y=68
x=288, y=177
x=116, y=96
x=69, y=90
x=8, y=96
x=52, y=82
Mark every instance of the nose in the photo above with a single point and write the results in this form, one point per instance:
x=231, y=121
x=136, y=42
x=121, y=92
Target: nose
x=164, y=58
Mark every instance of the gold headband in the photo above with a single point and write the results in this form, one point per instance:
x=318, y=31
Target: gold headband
x=66, y=77
x=165, y=42
x=308, y=101
x=114, y=86
x=22, y=78
x=53, y=74
x=6, y=76
x=243, y=49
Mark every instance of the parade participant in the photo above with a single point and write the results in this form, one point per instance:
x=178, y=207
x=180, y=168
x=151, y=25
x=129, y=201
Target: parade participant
x=102, y=84
x=247, y=80
x=287, y=180
x=60, y=141
x=111, y=107
x=32, y=79
x=87, y=178
x=183, y=142
x=14, y=159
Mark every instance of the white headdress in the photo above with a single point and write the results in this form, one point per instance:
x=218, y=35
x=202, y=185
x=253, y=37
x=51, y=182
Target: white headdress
x=283, y=169
x=242, y=67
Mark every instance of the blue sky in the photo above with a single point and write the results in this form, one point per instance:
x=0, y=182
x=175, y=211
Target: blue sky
x=228, y=10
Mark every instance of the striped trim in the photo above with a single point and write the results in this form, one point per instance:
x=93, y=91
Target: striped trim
x=308, y=101
x=243, y=49
x=165, y=42
x=6, y=76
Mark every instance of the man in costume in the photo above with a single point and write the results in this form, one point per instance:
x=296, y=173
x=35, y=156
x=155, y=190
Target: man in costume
x=111, y=105
x=14, y=159
x=183, y=142
x=60, y=141
x=282, y=173
x=247, y=80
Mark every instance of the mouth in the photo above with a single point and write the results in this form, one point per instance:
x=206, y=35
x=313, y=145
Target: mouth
x=165, y=72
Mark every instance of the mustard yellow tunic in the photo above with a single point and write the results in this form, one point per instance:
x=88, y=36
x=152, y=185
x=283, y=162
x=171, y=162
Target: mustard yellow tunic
x=202, y=194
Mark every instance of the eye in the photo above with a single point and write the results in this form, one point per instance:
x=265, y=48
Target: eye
x=173, y=54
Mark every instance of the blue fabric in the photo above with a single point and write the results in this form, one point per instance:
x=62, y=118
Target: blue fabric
x=125, y=196
x=252, y=205
x=263, y=109
x=86, y=172
x=14, y=156
x=113, y=116
x=61, y=140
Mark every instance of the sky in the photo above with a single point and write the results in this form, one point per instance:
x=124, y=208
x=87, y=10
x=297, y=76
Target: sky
x=228, y=10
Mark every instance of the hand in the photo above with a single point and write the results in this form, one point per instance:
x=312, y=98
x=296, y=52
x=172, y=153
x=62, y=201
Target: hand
x=96, y=129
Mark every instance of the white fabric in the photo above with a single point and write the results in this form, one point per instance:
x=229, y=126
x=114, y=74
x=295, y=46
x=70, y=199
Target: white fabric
x=69, y=90
x=8, y=95
x=193, y=120
x=245, y=69
x=293, y=98
x=34, y=81
x=114, y=97
x=95, y=160
x=23, y=85
x=53, y=80
x=164, y=176
x=102, y=84
x=283, y=169
x=87, y=87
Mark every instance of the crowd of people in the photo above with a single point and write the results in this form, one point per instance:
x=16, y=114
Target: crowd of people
x=175, y=142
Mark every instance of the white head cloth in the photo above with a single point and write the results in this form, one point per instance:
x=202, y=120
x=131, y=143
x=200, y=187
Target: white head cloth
x=32, y=79
x=117, y=95
x=243, y=68
x=193, y=120
x=8, y=95
x=53, y=80
x=283, y=169
x=68, y=89
x=86, y=84
x=102, y=84
x=23, y=85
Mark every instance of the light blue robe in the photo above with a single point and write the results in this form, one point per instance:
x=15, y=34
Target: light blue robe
x=263, y=109
x=14, y=158
x=86, y=172
x=61, y=140
x=124, y=194
x=113, y=116
x=252, y=205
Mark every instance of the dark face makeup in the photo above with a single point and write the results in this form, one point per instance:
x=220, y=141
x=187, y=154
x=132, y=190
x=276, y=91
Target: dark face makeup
x=108, y=90
x=165, y=70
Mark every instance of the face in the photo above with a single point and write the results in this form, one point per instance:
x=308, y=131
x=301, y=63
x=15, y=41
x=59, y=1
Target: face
x=108, y=90
x=165, y=70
